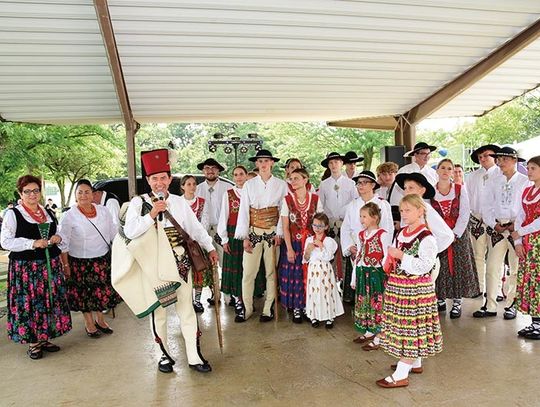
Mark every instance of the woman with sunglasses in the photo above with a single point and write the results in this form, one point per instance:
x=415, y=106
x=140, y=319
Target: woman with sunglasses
x=36, y=301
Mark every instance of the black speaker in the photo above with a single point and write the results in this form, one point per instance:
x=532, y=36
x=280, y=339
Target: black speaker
x=394, y=154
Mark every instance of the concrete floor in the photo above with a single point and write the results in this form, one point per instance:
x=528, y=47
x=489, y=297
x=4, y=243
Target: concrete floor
x=483, y=363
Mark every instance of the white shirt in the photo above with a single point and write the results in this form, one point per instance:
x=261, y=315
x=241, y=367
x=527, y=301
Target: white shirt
x=80, y=238
x=532, y=227
x=113, y=206
x=9, y=228
x=427, y=255
x=224, y=215
x=136, y=224
x=335, y=195
x=503, y=198
x=326, y=254
x=352, y=226
x=428, y=172
x=213, y=196
x=258, y=194
x=464, y=209
x=476, y=187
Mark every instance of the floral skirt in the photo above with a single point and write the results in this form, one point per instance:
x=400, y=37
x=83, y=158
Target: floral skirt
x=291, y=279
x=89, y=285
x=528, y=278
x=231, y=278
x=462, y=281
x=410, y=323
x=370, y=283
x=37, y=310
x=323, y=301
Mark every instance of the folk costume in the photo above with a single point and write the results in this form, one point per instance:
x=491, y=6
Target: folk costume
x=37, y=309
x=323, y=302
x=370, y=279
x=501, y=206
x=292, y=276
x=88, y=241
x=476, y=183
x=258, y=217
x=457, y=276
x=528, y=278
x=151, y=269
x=335, y=194
x=410, y=323
x=231, y=277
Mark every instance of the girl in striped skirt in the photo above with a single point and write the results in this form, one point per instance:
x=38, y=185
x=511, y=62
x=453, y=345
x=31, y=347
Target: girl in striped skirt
x=410, y=326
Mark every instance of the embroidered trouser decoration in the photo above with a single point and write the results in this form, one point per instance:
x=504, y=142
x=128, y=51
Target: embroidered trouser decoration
x=477, y=227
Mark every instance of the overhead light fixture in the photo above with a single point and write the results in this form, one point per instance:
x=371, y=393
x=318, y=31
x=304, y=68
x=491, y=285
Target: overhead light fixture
x=253, y=135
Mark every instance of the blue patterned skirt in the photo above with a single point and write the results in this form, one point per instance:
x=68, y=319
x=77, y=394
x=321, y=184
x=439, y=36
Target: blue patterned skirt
x=291, y=279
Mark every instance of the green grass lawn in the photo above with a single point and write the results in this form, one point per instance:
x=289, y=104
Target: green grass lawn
x=3, y=287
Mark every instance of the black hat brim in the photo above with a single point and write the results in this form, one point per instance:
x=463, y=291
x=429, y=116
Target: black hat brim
x=411, y=153
x=220, y=167
x=377, y=185
x=253, y=159
x=324, y=162
x=420, y=179
x=353, y=160
x=519, y=159
x=481, y=149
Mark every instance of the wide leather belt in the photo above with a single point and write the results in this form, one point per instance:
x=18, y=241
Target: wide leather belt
x=264, y=218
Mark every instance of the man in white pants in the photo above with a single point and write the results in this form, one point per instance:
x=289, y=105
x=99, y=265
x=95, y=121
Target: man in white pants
x=476, y=183
x=501, y=206
x=146, y=212
x=258, y=217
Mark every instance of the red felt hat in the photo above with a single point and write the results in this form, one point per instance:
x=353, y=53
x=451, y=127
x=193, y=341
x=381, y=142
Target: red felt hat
x=155, y=161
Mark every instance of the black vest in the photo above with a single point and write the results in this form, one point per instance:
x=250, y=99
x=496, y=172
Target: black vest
x=31, y=231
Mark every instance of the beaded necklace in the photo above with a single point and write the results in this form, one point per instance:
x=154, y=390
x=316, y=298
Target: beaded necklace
x=38, y=215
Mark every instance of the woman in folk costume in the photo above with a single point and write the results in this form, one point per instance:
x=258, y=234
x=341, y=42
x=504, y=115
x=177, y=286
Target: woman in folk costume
x=188, y=185
x=290, y=165
x=527, y=238
x=87, y=231
x=410, y=325
x=233, y=250
x=457, y=276
x=368, y=277
x=151, y=268
x=37, y=309
x=323, y=302
x=296, y=215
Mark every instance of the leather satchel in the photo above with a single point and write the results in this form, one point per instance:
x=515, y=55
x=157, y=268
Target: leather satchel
x=199, y=260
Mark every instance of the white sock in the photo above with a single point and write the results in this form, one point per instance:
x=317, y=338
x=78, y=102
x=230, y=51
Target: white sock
x=402, y=372
x=368, y=334
x=417, y=362
x=376, y=340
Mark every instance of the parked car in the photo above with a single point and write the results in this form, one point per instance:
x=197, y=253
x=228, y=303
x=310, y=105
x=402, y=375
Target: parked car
x=119, y=186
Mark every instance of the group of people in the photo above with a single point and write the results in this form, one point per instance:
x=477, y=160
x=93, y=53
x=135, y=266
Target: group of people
x=396, y=245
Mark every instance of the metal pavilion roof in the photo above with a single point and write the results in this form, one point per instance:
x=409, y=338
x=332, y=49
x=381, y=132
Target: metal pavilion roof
x=246, y=60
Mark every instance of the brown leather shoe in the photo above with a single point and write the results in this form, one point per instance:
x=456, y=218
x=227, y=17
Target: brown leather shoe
x=370, y=346
x=416, y=370
x=393, y=383
x=363, y=339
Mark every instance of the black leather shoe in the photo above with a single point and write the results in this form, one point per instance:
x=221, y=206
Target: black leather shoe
x=510, y=313
x=211, y=301
x=441, y=306
x=526, y=330
x=34, y=352
x=49, y=347
x=201, y=367
x=239, y=319
x=315, y=323
x=198, y=307
x=232, y=302
x=94, y=335
x=500, y=298
x=455, y=312
x=165, y=365
x=104, y=329
x=266, y=318
x=329, y=324
x=483, y=313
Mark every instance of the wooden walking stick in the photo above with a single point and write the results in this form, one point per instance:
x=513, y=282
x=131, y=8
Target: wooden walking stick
x=217, y=298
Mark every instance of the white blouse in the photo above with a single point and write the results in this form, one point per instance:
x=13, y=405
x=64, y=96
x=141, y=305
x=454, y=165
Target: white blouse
x=80, y=237
x=9, y=228
x=224, y=215
x=325, y=254
x=425, y=260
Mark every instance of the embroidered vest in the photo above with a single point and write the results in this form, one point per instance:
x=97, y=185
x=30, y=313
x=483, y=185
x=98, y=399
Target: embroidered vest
x=234, y=206
x=450, y=215
x=371, y=252
x=198, y=207
x=300, y=221
x=532, y=209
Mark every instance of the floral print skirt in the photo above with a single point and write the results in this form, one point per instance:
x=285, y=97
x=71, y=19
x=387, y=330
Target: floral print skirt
x=370, y=283
x=89, y=285
x=323, y=300
x=528, y=278
x=37, y=306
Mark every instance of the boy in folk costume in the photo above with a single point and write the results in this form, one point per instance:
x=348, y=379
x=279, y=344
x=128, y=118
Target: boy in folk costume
x=335, y=193
x=212, y=190
x=476, y=183
x=351, y=160
x=258, y=217
x=151, y=269
x=501, y=206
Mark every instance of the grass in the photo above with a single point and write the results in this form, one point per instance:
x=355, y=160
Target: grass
x=3, y=287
